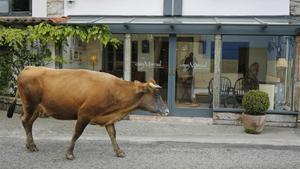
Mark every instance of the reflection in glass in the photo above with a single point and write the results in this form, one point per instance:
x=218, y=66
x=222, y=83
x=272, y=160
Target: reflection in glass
x=94, y=56
x=149, y=59
x=259, y=62
x=193, y=71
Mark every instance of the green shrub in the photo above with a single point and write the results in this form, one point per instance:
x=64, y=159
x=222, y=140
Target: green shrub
x=256, y=102
x=28, y=46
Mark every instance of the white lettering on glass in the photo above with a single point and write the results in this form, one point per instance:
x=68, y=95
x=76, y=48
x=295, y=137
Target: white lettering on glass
x=203, y=65
x=149, y=65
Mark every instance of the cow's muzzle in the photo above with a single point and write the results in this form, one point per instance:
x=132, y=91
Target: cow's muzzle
x=165, y=112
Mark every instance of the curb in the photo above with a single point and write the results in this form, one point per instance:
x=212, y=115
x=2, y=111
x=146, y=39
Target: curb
x=172, y=119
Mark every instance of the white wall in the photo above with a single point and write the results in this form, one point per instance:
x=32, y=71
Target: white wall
x=235, y=7
x=114, y=7
x=39, y=8
x=155, y=7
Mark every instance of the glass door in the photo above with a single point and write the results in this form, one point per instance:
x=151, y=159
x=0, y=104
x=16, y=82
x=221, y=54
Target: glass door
x=150, y=59
x=193, y=74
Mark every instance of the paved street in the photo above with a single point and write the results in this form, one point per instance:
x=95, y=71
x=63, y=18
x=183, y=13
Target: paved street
x=149, y=145
x=98, y=154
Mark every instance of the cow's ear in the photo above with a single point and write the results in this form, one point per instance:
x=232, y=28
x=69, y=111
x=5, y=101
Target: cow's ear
x=150, y=86
x=151, y=81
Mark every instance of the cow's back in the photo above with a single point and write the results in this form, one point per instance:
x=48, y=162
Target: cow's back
x=61, y=92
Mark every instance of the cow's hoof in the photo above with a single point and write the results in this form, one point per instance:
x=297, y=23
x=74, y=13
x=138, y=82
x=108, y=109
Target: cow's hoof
x=120, y=153
x=70, y=156
x=32, y=147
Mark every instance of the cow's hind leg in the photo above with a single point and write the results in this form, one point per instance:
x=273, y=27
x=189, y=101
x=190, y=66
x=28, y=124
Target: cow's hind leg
x=112, y=134
x=80, y=126
x=28, y=118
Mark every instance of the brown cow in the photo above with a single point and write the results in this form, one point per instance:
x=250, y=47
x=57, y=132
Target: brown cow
x=85, y=96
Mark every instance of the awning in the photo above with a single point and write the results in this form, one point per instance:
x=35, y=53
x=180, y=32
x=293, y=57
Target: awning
x=283, y=25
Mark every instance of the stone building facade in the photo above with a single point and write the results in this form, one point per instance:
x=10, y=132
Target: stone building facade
x=55, y=8
x=295, y=7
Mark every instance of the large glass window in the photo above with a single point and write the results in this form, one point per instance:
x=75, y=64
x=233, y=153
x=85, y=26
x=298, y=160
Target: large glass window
x=95, y=56
x=83, y=55
x=113, y=59
x=194, y=60
x=257, y=62
x=149, y=59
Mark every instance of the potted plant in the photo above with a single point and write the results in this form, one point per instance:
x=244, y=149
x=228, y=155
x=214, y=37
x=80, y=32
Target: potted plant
x=255, y=103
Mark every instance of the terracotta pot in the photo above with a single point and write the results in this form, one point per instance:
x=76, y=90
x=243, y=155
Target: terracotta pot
x=253, y=124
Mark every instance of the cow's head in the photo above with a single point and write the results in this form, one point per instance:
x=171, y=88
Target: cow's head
x=151, y=100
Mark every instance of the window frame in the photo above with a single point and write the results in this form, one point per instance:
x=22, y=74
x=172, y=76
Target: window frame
x=17, y=13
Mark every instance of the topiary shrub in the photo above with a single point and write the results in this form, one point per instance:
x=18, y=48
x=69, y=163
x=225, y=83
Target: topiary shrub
x=255, y=102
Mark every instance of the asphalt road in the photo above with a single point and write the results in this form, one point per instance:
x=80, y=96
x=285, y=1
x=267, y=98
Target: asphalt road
x=99, y=154
x=149, y=145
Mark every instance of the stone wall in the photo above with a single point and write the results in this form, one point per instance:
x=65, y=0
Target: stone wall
x=55, y=8
x=271, y=119
x=6, y=101
x=295, y=7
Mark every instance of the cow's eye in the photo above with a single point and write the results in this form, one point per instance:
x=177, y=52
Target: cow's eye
x=157, y=94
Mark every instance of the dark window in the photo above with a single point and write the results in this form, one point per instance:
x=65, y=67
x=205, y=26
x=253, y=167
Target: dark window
x=15, y=7
x=20, y=5
x=113, y=60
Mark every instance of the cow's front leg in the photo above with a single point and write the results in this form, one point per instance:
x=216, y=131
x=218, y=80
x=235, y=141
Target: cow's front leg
x=80, y=126
x=112, y=134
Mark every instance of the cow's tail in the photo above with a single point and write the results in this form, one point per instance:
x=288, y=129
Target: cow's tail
x=12, y=107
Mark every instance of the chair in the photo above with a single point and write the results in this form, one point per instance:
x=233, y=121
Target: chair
x=225, y=88
x=242, y=86
x=187, y=84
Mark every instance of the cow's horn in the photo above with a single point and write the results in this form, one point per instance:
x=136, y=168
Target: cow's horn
x=154, y=86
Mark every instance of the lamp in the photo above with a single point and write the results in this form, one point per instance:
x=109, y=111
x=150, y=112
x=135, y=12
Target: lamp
x=281, y=65
x=94, y=60
x=281, y=62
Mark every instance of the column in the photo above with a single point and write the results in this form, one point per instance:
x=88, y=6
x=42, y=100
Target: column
x=127, y=57
x=51, y=47
x=296, y=91
x=217, y=71
x=172, y=72
x=150, y=70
